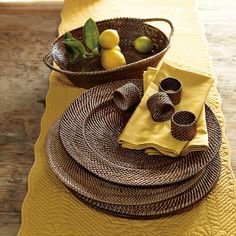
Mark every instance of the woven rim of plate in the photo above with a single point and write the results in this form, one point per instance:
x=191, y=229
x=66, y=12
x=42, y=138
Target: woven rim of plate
x=103, y=208
x=175, y=205
x=139, y=168
x=83, y=182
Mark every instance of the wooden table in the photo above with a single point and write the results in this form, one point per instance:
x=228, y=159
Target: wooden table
x=25, y=36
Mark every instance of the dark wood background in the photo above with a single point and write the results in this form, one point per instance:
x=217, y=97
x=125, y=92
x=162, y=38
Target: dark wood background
x=26, y=32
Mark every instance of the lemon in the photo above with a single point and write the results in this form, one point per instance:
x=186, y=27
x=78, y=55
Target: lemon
x=143, y=44
x=115, y=48
x=112, y=59
x=109, y=39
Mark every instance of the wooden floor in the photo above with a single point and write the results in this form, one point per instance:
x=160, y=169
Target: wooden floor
x=25, y=36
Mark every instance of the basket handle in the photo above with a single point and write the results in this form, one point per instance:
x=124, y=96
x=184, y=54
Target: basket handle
x=161, y=19
x=47, y=59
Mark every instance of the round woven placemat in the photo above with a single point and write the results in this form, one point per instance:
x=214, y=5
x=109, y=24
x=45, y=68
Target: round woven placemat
x=175, y=205
x=128, y=201
x=83, y=182
x=89, y=130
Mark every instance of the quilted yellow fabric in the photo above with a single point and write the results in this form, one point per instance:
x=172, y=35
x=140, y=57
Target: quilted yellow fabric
x=50, y=209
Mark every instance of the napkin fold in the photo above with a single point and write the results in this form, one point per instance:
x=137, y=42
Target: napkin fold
x=141, y=132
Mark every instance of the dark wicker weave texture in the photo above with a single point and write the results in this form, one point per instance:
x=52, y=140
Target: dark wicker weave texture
x=89, y=73
x=127, y=96
x=160, y=107
x=127, y=201
x=170, y=206
x=183, y=125
x=88, y=185
x=173, y=88
x=90, y=137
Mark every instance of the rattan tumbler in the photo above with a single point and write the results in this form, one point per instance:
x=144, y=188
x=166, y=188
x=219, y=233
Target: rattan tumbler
x=127, y=96
x=173, y=88
x=183, y=125
x=160, y=107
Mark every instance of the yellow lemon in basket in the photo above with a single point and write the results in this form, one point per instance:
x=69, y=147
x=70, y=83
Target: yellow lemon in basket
x=143, y=44
x=115, y=48
x=109, y=38
x=112, y=59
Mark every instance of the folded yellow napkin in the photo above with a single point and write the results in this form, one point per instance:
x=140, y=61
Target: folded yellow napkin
x=141, y=132
x=200, y=142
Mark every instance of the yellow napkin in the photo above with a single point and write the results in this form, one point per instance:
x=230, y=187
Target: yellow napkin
x=141, y=132
x=200, y=142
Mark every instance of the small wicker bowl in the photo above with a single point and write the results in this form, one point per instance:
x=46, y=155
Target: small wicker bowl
x=89, y=73
x=183, y=125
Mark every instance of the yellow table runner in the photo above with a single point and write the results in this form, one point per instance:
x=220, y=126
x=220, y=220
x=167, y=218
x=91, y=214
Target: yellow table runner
x=50, y=209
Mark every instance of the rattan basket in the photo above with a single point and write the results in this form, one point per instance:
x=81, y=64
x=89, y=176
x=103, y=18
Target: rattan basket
x=89, y=73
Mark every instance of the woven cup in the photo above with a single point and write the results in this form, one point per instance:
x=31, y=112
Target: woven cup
x=160, y=107
x=183, y=125
x=127, y=96
x=173, y=88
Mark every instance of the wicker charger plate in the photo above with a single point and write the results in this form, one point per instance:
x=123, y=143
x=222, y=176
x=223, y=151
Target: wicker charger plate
x=83, y=182
x=89, y=129
x=127, y=201
x=175, y=205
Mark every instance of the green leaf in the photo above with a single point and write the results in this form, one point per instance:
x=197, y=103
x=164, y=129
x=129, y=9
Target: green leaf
x=71, y=50
x=91, y=34
x=75, y=48
x=95, y=52
x=75, y=44
x=75, y=59
x=68, y=35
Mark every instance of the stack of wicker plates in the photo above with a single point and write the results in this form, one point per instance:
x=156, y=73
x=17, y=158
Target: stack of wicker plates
x=83, y=152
